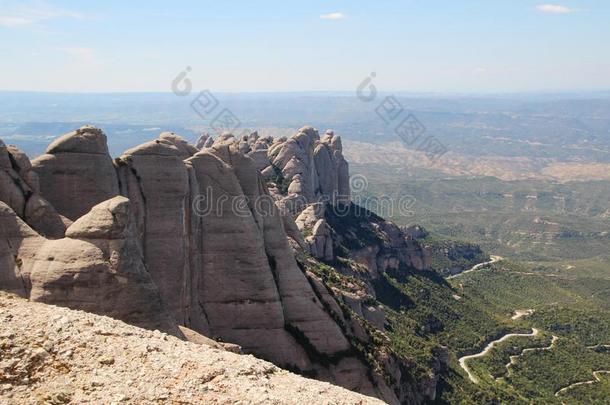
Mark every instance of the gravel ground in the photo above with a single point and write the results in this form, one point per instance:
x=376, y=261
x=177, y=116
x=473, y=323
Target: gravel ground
x=55, y=355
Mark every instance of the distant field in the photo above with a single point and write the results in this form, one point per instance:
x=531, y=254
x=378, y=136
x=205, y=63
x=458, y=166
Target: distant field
x=557, y=224
x=555, y=239
x=576, y=310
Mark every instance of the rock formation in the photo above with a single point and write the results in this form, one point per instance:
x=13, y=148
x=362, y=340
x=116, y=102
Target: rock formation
x=76, y=172
x=169, y=235
x=97, y=267
x=19, y=188
x=18, y=247
x=312, y=169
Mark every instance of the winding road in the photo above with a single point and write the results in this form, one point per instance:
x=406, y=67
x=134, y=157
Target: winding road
x=596, y=380
x=488, y=348
x=513, y=359
x=493, y=260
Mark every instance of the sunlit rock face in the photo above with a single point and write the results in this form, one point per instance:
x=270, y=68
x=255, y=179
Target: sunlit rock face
x=76, y=172
x=169, y=235
x=135, y=240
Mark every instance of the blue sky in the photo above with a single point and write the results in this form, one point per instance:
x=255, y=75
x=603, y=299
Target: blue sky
x=419, y=45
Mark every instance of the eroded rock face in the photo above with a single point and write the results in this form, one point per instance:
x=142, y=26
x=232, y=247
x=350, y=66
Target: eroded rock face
x=319, y=240
x=203, y=243
x=76, y=172
x=98, y=268
x=18, y=247
x=311, y=169
x=256, y=254
x=234, y=283
x=19, y=189
x=154, y=177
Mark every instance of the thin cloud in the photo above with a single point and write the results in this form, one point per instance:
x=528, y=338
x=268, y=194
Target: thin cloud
x=554, y=9
x=82, y=56
x=13, y=22
x=479, y=71
x=333, y=16
x=25, y=17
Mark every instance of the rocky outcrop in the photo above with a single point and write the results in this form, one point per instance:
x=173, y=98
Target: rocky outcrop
x=312, y=169
x=19, y=188
x=154, y=177
x=318, y=239
x=76, y=172
x=56, y=355
x=18, y=247
x=204, y=141
x=97, y=267
x=298, y=332
x=206, y=240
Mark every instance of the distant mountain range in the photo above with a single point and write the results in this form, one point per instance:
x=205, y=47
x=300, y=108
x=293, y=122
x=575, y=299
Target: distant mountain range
x=562, y=126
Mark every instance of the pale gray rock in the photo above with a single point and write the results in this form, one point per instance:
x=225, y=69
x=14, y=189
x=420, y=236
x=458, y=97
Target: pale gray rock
x=18, y=246
x=41, y=216
x=268, y=172
x=76, y=172
x=326, y=170
x=202, y=140
x=322, y=240
x=98, y=268
x=155, y=178
x=236, y=285
x=323, y=171
x=18, y=189
x=23, y=166
x=208, y=143
x=185, y=148
x=252, y=137
x=87, y=139
x=203, y=233
x=10, y=192
x=301, y=308
x=260, y=158
x=310, y=215
x=5, y=162
x=333, y=142
x=295, y=157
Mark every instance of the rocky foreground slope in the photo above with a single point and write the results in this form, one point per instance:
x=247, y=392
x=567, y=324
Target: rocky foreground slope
x=55, y=355
x=236, y=241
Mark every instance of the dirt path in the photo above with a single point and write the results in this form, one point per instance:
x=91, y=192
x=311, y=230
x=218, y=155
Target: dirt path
x=595, y=380
x=520, y=313
x=599, y=346
x=493, y=260
x=488, y=348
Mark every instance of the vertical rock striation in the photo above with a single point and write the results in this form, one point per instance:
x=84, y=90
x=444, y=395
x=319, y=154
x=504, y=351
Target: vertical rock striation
x=202, y=238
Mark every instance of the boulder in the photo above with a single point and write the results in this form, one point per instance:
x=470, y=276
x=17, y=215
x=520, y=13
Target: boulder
x=98, y=268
